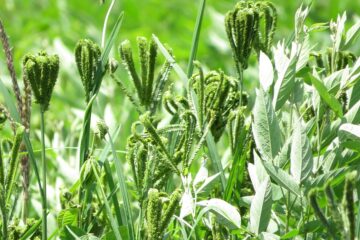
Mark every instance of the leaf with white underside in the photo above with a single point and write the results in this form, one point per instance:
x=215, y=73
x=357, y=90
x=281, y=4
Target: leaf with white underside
x=266, y=72
x=268, y=236
x=286, y=70
x=300, y=156
x=226, y=213
x=282, y=178
x=266, y=130
x=260, y=210
x=257, y=171
x=349, y=131
x=349, y=135
x=351, y=35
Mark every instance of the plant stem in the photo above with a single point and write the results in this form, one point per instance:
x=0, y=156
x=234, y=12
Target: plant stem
x=240, y=73
x=138, y=234
x=43, y=158
x=4, y=217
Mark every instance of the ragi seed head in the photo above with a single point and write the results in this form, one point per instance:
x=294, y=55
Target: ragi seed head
x=42, y=71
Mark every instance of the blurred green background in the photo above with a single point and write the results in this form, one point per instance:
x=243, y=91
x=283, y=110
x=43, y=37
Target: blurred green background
x=56, y=25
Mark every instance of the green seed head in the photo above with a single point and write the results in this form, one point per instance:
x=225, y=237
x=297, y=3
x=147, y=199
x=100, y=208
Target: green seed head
x=241, y=26
x=87, y=56
x=250, y=25
x=153, y=215
x=169, y=211
x=42, y=71
x=268, y=22
x=220, y=97
x=101, y=129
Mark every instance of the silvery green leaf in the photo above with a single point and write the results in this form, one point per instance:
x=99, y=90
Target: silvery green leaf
x=201, y=175
x=300, y=16
x=301, y=155
x=187, y=205
x=259, y=168
x=210, y=181
x=340, y=27
x=353, y=115
x=282, y=178
x=304, y=53
x=348, y=131
x=266, y=71
x=283, y=157
x=253, y=177
x=285, y=82
x=268, y=236
x=260, y=210
x=227, y=214
x=266, y=130
x=351, y=35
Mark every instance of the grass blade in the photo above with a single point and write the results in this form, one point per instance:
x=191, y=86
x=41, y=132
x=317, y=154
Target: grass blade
x=30, y=231
x=112, y=186
x=113, y=222
x=124, y=192
x=195, y=39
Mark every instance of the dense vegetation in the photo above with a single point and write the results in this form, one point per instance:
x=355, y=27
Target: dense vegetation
x=135, y=147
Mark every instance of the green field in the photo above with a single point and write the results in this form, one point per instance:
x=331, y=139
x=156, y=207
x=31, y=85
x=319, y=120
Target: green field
x=179, y=119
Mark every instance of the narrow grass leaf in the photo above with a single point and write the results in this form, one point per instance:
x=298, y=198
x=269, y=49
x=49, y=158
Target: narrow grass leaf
x=31, y=230
x=113, y=223
x=124, y=192
x=195, y=39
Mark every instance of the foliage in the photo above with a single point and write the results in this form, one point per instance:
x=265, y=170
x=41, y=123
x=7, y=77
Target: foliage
x=206, y=155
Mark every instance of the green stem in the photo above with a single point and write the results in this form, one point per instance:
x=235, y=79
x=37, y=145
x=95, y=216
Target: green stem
x=138, y=234
x=240, y=73
x=43, y=158
x=4, y=217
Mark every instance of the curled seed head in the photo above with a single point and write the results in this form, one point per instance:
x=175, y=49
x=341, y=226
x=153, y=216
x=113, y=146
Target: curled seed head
x=154, y=214
x=42, y=71
x=87, y=56
x=220, y=97
x=170, y=209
